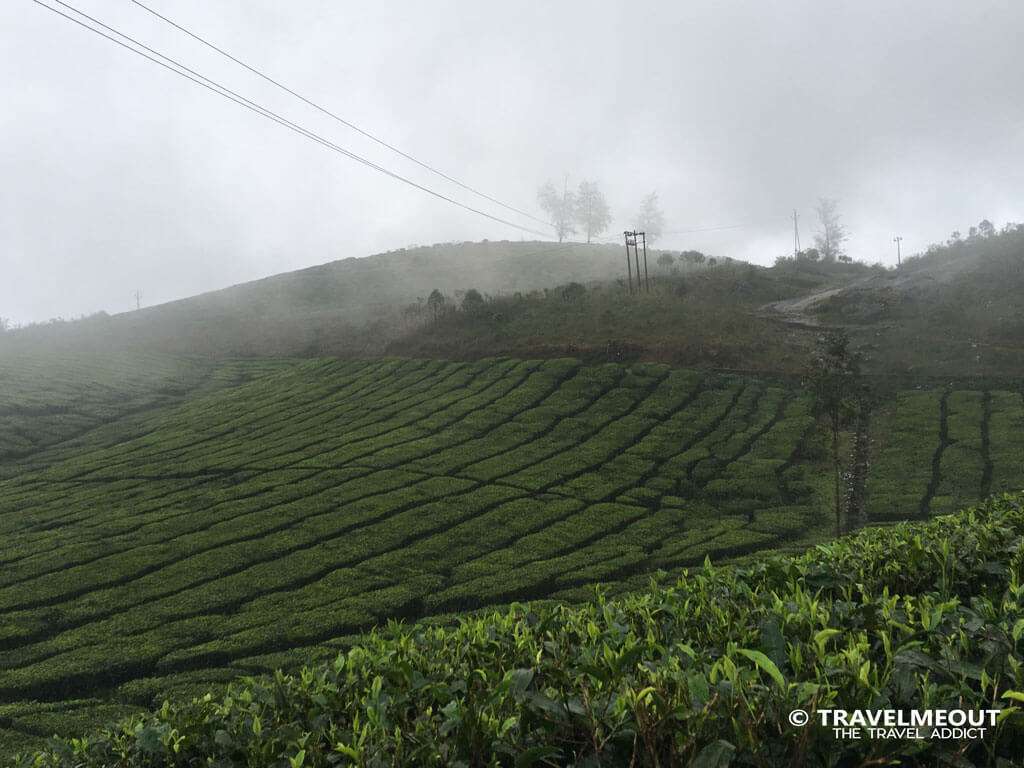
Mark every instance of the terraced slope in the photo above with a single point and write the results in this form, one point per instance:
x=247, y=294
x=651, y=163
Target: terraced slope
x=258, y=525
x=936, y=451
x=49, y=396
x=268, y=523
x=701, y=672
x=53, y=395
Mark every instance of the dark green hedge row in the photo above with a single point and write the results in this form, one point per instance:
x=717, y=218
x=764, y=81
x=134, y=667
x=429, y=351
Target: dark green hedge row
x=705, y=672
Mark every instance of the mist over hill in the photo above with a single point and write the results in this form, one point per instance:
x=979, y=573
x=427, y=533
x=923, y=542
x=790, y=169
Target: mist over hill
x=350, y=306
x=954, y=311
x=665, y=440
x=493, y=431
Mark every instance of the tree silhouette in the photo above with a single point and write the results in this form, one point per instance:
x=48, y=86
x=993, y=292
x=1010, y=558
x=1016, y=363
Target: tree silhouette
x=833, y=375
x=592, y=213
x=560, y=208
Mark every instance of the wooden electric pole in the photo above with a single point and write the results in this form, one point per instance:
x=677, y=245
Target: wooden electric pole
x=636, y=244
x=629, y=266
x=647, y=280
x=899, y=256
x=636, y=258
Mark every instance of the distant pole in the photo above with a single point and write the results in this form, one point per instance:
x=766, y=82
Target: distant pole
x=796, y=235
x=629, y=267
x=899, y=256
x=138, y=300
x=636, y=255
x=647, y=281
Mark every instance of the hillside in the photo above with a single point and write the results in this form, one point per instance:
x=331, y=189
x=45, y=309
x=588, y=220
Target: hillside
x=958, y=308
x=705, y=316
x=271, y=521
x=955, y=312
x=541, y=300
x=54, y=395
x=350, y=306
x=702, y=672
x=51, y=395
x=174, y=520
x=225, y=532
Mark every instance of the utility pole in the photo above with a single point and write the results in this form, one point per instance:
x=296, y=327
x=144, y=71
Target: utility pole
x=796, y=235
x=899, y=256
x=636, y=241
x=629, y=266
x=138, y=299
x=636, y=257
x=647, y=281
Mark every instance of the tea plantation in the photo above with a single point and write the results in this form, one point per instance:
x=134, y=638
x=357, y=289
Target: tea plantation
x=287, y=508
x=936, y=451
x=702, y=672
x=50, y=394
x=49, y=398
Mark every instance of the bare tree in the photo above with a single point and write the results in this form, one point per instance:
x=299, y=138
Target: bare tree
x=592, y=211
x=651, y=220
x=560, y=208
x=831, y=233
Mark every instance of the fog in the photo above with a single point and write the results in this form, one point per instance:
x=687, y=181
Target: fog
x=118, y=175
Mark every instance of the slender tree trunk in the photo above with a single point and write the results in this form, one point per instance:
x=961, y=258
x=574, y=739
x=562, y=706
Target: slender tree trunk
x=838, y=480
x=856, y=479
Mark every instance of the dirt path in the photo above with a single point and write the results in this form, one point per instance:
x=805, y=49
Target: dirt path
x=798, y=311
x=794, y=311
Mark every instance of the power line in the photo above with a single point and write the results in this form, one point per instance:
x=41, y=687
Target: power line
x=227, y=93
x=336, y=117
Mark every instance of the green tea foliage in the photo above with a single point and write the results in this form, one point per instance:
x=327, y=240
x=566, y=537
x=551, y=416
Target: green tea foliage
x=703, y=672
x=261, y=525
x=934, y=451
x=52, y=395
x=285, y=508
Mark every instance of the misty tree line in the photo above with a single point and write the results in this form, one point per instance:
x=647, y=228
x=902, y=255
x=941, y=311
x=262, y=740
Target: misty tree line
x=829, y=238
x=832, y=235
x=586, y=210
x=6, y=324
x=984, y=230
x=473, y=303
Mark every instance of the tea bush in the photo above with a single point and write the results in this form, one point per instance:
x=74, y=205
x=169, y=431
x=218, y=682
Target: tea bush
x=701, y=672
x=274, y=520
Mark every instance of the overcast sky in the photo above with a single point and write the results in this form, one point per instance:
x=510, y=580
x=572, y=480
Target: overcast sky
x=119, y=175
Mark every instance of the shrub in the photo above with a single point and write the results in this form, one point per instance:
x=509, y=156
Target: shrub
x=704, y=671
